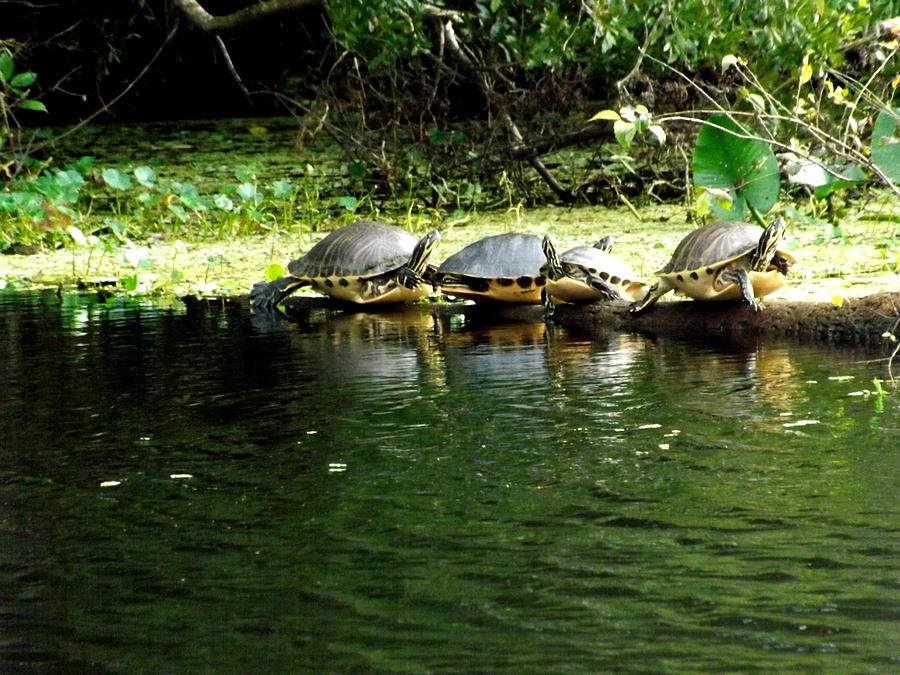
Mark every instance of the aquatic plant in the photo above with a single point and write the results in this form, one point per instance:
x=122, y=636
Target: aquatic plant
x=734, y=166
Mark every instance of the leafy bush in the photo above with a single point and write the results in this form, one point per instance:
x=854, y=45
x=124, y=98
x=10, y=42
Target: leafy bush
x=604, y=39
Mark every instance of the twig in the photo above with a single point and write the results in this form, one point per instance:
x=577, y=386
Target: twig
x=890, y=363
x=106, y=106
x=231, y=68
x=516, y=142
x=335, y=132
x=840, y=147
x=642, y=51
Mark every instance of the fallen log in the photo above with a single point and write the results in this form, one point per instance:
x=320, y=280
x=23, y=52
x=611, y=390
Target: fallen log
x=862, y=321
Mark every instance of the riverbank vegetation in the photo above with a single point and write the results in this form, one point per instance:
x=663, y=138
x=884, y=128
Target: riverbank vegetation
x=462, y=116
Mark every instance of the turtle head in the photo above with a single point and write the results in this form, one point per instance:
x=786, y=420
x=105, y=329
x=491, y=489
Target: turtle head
x=768, y=245
x=413, y=272
x=553, y=269
x=604, y=244
x=419, y=258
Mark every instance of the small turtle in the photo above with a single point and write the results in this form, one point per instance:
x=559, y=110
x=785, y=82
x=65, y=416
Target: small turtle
x=589, y=273
x=502, y=268
x=725, y=260
x=364, y=262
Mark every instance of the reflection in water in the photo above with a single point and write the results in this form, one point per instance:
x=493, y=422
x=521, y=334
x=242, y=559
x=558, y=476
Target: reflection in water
x=430, y=490
x=751, y=371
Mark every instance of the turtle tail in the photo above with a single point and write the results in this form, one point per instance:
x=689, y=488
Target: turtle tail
x=266, y=295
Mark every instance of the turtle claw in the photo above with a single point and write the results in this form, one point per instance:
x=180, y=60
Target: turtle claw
x=606, y=291
x=406, y=277
x=264, y=295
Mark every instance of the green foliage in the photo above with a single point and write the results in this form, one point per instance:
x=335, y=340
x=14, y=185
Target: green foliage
x=115, y=178
x=543, y=58
x=604, y=38
x=145, y=176
x=630, y=122
x=274, y=271
x=744, y=168
x=383, y=32
x=63, y=206
x=886, y=143
x=14, y=92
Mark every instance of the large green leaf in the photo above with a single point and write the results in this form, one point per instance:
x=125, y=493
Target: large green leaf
x=886, y=143
x=7, y=66
x=744, y=167
x=23, y=80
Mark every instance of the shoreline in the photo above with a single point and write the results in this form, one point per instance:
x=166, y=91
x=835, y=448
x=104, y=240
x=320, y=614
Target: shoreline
x=863, y=261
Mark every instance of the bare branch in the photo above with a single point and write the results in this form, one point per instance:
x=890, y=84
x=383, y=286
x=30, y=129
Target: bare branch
x=107, y=106
x=208, y=23
x=517, y=146
x=231, y=68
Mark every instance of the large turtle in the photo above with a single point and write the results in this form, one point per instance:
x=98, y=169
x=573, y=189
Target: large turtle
x=364, y=262
x=725, y=260
x=502, y=268
x=589, y=273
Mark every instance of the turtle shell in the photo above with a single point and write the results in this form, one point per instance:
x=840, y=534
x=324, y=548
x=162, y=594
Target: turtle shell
x=365, y=248
x=365, y=262
x=714, y=246
x=583, y=262
x=702, y=253
x=502, y=255
x=503, y=267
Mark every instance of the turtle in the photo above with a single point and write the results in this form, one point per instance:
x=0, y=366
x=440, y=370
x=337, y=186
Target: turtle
x=501, y=268
x=589, y=273
x=725, y=260
x=365, y=262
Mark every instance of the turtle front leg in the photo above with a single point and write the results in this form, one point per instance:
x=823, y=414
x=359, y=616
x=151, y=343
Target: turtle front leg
x=657, y=290
x=608, y=292
x=740, y=277
x=549, y=308
x=405, y=276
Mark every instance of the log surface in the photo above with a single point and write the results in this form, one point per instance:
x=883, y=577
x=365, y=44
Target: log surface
x=858, y=321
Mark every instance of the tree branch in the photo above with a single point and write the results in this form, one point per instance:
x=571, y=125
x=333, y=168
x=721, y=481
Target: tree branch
x=197, y=14
x=231, y=68
x=517, y=147
x=106, y=106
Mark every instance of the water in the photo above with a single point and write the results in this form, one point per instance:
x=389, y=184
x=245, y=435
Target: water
x=421, y=493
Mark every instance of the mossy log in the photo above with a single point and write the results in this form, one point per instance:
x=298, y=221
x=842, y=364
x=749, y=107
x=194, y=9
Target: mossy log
x=862, y=320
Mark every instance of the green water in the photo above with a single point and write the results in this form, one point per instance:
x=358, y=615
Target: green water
x=421, y=492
